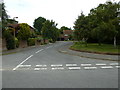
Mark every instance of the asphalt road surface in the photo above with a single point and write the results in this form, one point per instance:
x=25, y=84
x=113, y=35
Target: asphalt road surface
x=45, y=67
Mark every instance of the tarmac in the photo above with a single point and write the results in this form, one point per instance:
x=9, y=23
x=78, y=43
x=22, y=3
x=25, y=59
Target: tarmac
x=66, y=50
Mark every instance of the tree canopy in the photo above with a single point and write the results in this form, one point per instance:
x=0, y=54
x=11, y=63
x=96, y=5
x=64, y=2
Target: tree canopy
x=49, y=30
x=38, y=24
x=101, y=23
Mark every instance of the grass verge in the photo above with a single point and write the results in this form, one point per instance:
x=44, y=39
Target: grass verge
x=95, y=48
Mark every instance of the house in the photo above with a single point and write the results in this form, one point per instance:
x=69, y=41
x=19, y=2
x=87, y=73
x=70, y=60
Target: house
x=16, y=26
x=66, y=35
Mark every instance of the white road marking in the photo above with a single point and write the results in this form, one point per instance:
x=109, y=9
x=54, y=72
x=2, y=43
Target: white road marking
x=22, y=62
x=41, y=65
x=106, y=67
x=114, y=63
x=48, y=47
x=36, y=69
x=39, y=50
x=74, y=68
x=101, y=64
x=24, y=65
x=90, y=67
x=71, y=65
x=86, y=64
x=57, y=65
x=60, y=68
x=117, y=66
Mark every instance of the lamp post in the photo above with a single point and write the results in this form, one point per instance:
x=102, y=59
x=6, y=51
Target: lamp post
x=14, y=31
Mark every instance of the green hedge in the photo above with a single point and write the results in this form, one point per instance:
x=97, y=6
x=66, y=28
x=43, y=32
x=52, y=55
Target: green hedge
x=31, y=41
x=10, y=41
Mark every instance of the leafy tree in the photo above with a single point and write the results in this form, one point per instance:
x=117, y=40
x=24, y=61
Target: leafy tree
x=49, y=30
x=24, y=32
x=64, y=28
x=38, y=24
x=82, y=28
x=4, y=16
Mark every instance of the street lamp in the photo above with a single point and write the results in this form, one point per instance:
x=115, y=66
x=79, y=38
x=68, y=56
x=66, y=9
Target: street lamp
x=14, y=31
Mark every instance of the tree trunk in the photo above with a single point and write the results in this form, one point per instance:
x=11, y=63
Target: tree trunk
x=115, y=41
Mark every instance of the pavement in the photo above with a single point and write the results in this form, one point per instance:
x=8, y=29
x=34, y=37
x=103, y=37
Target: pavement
x=46, y=67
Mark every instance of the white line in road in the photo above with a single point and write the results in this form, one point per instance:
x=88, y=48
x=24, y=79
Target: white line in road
x=41, y=65
x=117, y=66
x=101, y=64
x=106, y=67
x=74, y=68
x=36, y=69
x=24, y=65
x=60, y=68
x=22, y=62
x=48, y=47
x=39, y=50
x=86, y=64
x=90, y=67
x=57, y=65
x=114, y=63
x=71, y=65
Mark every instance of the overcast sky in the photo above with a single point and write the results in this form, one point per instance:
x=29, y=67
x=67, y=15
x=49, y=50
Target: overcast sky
x=63, y=12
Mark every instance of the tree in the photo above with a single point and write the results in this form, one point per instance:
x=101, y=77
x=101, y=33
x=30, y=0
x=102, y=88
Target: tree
x=82, y=28
x=107, y=21
x=38, y=24
x=49, y=30
x=64, y=28
x=4, y=16
x=24, y=32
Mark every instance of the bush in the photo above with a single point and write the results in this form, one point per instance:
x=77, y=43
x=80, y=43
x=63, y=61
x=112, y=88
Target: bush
x=10, y=41
x=31, y=41
x=16, y=42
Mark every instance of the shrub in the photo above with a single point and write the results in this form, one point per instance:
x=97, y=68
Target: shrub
x=16, y=42
x=10, y=41
x=31, y=41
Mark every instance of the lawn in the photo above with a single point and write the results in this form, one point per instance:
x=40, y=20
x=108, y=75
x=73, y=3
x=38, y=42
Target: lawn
x=94, y=47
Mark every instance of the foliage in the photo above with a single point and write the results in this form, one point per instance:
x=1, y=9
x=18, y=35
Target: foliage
x=101, y=23
x=64, y=28
x=16, y=42
x=24, y=33
x=31, y=41
x=49, y=30
x=38, y=24
x=4, y=16
x=10, y=41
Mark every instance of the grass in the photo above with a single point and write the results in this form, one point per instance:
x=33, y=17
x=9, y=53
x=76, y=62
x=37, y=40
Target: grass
x=94, y=47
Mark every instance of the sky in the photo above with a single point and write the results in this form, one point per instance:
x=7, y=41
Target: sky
x=63, y=12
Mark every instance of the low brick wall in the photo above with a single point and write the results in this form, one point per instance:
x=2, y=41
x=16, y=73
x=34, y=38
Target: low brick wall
x=22, y=44
x=3, y=44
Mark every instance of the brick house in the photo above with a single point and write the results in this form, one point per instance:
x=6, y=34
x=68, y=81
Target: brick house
x=66, y=35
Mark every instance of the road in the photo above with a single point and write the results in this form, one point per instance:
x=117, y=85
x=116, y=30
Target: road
x=45, y=67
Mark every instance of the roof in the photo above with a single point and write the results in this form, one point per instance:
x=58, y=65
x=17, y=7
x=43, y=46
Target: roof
x=68, y=32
